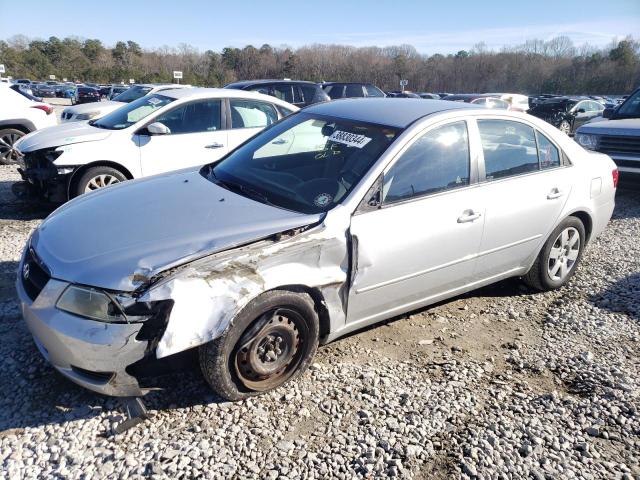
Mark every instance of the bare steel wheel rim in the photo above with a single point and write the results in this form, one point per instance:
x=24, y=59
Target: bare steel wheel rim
x=271, y=349
x=8, y=151
x=564, y=253
x=100, y=181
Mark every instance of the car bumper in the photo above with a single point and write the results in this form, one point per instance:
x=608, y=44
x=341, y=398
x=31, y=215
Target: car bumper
x=42, y=183
x=92, y=354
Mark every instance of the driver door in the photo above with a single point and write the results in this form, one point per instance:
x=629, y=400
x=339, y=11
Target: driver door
x=196, y=137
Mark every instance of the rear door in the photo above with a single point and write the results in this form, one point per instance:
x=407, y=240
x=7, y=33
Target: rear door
x=196, y=137
x=246, y=118
x=525, y=188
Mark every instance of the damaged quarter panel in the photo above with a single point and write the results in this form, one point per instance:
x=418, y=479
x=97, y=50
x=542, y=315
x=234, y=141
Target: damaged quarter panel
x=208, y=293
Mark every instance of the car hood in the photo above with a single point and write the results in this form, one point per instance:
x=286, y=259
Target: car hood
x=629, y=126
x=103, y=107
x=63, y=134
x=119, y=237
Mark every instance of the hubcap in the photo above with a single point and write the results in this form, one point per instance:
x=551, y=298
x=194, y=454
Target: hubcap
x=269, y=351
x=100, y=181
x=563, y=254
x=8, y=152
x=565, y=128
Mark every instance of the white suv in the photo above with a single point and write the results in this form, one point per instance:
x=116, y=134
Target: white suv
x=19, y=116
x=164, y=131
x=93, y=110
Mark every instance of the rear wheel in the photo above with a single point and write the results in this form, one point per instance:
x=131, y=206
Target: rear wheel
x=559, y=258
x=8, y=139
x=97, y=177
x=270, y=342
x=565, y=127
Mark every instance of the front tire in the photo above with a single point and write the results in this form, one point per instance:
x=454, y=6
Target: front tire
x=8, y=139
x=565, y=127
x=270, y=342
x=559, y=257
x=95, y=178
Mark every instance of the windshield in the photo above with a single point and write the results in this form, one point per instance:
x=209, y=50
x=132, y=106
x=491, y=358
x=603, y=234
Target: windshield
x=132, y=94
x=307, y=163
x=135, y=111
x=631, y=107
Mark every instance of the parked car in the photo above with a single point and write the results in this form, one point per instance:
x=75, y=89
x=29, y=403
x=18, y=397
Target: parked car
x=116, y=90
x=429, y=96
x=337, y=90
x=105, y=90
x=338, y=217
x=486, y=100
x=19, y=115
x=43, y=90
x=25, y=92
x=566, y=113
x=23, y=81
x=405, y=94
x=86, y=95
x=157, y=133
x=93, y=110
x=618, y=135
x=296, y=92
x=516, y=101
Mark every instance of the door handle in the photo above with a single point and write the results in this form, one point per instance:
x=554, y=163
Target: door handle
x=469, y=216
x=555, y=193
x=214, y=145
x=279, y=141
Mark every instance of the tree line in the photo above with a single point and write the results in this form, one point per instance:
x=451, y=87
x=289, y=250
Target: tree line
x=537, y=66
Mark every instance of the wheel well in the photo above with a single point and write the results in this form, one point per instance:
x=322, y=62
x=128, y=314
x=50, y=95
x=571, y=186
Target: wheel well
x=585, y=218
x=319, y=303
x=22, y=128
x=101, y=163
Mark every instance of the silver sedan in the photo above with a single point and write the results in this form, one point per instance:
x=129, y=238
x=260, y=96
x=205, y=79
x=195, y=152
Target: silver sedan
x=335, y=218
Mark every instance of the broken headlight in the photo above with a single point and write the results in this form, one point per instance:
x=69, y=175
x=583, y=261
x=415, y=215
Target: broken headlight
x=90, y=303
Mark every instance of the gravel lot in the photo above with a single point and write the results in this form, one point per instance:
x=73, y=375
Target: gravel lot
x=503, y=383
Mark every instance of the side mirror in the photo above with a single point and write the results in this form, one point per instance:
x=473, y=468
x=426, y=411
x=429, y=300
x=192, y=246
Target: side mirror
x=607, y=112
x=581, y=110
x=158, y=128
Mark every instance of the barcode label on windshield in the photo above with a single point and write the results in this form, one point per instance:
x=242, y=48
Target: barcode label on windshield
x=350, y=139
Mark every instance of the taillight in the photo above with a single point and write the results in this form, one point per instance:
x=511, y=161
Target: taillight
x=615, y=174
x=48, y=109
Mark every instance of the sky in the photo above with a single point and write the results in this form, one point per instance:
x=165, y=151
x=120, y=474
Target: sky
x=430, y=26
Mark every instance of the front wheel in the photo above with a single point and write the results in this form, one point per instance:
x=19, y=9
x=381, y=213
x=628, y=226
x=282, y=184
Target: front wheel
x=565, y=127
x=8, y=138
x=95, y=178
x=559, y=257
x=269, y=343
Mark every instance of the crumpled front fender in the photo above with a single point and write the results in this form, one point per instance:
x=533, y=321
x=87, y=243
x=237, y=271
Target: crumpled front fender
x=210, y=292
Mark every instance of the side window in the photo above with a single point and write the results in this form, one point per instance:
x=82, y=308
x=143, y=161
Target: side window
x=265, y=90
x=251, y=114
x=509, y=148
x=437, y=161
x=308, y=93
x=283, y=92
x=547, y=152
x=373, y=91
x=335, y=91
x=203, y=116
x=354, y=91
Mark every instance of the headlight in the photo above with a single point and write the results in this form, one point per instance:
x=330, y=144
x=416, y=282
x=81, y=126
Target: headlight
x=86, y=116
x=587, y=141
x=90, y=303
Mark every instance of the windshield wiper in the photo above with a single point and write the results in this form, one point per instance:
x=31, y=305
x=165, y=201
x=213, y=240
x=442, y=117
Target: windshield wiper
x=238, y=187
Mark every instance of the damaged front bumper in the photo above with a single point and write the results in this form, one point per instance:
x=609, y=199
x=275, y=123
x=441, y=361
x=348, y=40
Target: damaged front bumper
x=95, y=355
x=42, y=180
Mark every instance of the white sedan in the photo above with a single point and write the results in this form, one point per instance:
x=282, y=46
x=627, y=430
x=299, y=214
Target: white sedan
x=157, y=133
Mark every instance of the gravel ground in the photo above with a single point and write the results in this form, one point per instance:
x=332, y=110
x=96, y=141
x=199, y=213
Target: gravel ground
x=503, y=383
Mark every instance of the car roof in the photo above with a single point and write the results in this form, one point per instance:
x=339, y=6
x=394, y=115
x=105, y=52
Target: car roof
x=245, y=83
x=395, y=112
x=203, y=92
x=345, y=83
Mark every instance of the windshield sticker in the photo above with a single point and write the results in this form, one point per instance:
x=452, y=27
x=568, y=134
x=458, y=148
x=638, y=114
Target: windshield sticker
x=323, y=199
x=154, y=101
x=350, y=139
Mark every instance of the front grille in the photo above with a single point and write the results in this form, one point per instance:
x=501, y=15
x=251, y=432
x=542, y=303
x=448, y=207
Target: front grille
x=624, y=145
x=34, y=275
x=36, y=159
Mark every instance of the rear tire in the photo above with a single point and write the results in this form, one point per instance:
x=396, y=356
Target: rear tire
x=95, y=178
x=559, y=257
x=565, y=127
x=269, y=343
